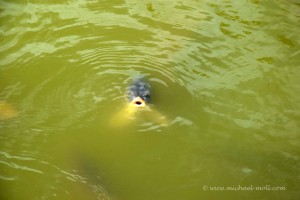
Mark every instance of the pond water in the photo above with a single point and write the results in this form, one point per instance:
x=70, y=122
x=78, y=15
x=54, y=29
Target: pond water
x=224, y=75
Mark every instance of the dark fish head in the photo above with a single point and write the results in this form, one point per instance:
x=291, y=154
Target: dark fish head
x=139, y=93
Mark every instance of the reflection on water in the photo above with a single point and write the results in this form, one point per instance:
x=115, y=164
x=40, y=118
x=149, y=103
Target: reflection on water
x=223, y=74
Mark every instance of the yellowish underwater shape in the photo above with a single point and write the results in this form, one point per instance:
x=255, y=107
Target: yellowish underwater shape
x=7, y=111
x=133, y=111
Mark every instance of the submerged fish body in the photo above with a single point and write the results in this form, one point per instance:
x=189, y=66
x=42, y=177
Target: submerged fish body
x=7, y=111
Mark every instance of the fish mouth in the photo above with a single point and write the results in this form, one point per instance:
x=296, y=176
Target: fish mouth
x=138, y=102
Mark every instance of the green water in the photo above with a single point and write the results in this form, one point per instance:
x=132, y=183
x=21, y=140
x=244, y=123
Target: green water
x=225, y=74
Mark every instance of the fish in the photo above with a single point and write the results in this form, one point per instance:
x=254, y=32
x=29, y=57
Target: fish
x=138, y=106
x=138, y=93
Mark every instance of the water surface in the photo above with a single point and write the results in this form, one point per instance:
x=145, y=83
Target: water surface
x=224, y=74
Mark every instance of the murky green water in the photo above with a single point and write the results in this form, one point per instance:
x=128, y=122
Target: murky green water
x=224, y=73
